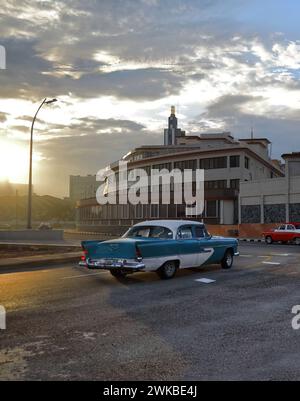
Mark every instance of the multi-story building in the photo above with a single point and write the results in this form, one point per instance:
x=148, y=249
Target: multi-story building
x=82, y=187
x=226, y=161
x=265, y=202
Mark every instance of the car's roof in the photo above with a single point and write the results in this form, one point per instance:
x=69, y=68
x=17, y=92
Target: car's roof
x=171, y=224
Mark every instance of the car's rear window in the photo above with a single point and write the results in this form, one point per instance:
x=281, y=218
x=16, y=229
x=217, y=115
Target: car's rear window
x=149, y=232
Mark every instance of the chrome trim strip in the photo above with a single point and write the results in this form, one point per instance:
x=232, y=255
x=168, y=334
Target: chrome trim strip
x=102, y=264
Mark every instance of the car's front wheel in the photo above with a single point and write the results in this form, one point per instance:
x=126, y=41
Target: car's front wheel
x=167, y=270
x=227, y=260
x=269, y=240
x=118, y=273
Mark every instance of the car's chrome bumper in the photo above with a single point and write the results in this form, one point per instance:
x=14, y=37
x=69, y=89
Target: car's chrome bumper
x=236, y=254
x=110, y=264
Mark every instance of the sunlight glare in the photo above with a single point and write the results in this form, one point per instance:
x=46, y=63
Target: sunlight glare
x=13, y=162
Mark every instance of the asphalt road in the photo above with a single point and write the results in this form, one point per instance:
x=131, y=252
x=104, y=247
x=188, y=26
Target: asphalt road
x=67, y=323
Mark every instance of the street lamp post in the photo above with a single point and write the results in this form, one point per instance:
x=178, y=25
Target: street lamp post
x=29, y=212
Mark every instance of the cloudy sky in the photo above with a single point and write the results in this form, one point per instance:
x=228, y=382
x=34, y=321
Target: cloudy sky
x=116, y=67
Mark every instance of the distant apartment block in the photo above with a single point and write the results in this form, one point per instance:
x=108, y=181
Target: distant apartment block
x=82, y=187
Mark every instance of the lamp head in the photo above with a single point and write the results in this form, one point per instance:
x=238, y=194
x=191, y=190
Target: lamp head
x=51, y=101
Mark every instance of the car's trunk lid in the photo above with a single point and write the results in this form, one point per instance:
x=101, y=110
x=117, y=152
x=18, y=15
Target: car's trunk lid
x=113, y=249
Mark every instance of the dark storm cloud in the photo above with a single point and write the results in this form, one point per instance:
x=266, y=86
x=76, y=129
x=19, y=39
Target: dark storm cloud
x=46, y=58
x=92, y=126
x=86, y=126
x=229, y=105
x=227, y=110
x=139, y=50
x=85, y=155
x=96, y=124
x=32, y=83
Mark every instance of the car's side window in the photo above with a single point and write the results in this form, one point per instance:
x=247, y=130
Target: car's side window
x=185, y=232
x=199, y=232
x=290, y=227
x=282, y=228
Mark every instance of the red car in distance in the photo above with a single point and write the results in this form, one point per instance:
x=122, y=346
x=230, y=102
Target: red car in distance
x=285, y=233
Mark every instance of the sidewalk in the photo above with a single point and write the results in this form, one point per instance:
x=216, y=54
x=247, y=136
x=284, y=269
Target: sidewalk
x=251, y=239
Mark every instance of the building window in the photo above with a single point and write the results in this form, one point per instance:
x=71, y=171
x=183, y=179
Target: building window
x=139, y=211
x=154, y=211
x=163, y=211
x=213, y=163
x=247, y=162
x=172, y=210
x=186, y=165
x=235, y=184
x=163, y=166
x=148, y=170
x=234, y=161
x=211, y=208
x=217, y=184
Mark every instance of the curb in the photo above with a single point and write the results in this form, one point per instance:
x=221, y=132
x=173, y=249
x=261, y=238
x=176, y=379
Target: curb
x=251, y=240
x=51, y=260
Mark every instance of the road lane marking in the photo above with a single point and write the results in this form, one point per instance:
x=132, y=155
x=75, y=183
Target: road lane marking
x=83, y=275
x=205, y=280
x=271, y=263
x=280, y=254
x=246, y=256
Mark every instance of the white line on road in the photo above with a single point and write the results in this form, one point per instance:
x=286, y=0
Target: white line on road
x=280, y=254
x=83, y=275
x=271, y=263
x=246, y=256
x=205, y=280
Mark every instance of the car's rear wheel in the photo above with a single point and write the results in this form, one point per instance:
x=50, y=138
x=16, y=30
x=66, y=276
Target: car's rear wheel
x=297, y=241
x=269, y=240
x=167, y=270
x=227, y=260
x=118, y=273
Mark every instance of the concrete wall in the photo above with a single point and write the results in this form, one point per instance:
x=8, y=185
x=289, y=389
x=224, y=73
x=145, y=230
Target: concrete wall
x=274, y=200
x=254, y=230
x=228, y=211
x=223, y=230
x=32, y=235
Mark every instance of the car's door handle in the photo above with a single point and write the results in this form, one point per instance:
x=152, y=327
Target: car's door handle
x=205, y=250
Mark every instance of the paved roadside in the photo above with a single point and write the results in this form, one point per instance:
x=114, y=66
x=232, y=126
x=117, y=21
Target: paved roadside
x=38, y=260
x=64, y=243
x=69, y=323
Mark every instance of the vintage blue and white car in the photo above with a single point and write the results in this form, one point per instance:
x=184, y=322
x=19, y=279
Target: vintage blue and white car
x=162, y=246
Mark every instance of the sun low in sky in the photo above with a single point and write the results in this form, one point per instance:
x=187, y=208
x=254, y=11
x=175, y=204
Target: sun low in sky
x=13, y=162
x=116, y=67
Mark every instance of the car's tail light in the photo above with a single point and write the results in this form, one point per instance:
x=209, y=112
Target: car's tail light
x=83, y=257
x=138, y=253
